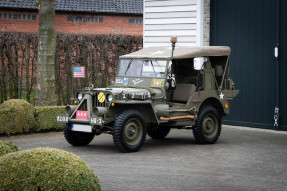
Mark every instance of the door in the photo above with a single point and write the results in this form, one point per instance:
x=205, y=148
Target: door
x=283, y=65
x=251, y=29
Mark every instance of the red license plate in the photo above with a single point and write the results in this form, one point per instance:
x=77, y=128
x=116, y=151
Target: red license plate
x=81, y=114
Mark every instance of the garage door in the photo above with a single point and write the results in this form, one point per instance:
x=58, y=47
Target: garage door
x=253, y=29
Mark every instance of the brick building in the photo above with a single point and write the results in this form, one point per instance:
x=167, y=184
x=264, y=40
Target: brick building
x=76, y=16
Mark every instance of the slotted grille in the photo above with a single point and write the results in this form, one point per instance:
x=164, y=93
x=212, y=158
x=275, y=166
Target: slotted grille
x=83, y=107
x=96, y=102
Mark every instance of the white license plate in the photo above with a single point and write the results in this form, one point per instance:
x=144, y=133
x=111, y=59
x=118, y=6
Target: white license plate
x=62, y=119
x=97, y=121
x=82, y=128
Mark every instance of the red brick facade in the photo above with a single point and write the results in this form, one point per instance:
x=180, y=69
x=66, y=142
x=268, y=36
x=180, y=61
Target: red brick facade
x=80, y=23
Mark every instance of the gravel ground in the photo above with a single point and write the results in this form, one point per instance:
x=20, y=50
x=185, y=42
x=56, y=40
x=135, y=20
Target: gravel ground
x=242, y=159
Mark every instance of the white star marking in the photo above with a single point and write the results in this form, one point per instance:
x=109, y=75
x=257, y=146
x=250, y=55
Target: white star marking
x=221, y=95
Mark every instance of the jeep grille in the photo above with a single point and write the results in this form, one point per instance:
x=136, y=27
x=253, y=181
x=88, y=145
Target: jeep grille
x=96, y=102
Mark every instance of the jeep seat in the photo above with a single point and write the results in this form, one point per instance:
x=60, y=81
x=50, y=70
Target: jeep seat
x=183, y=92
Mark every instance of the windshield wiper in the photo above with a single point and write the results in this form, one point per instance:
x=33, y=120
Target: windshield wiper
x=129, y=66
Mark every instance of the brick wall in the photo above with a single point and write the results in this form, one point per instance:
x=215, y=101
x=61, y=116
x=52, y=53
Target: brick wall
x=206, y=22
x=110, y=23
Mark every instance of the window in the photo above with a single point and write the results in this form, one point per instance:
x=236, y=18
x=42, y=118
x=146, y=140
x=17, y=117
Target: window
x=135, y=21
x=16, y=16
x=85, y=19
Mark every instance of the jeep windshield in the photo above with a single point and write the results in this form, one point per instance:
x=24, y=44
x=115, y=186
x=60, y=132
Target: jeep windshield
x=142, y=68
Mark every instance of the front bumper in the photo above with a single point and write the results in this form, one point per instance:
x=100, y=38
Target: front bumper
x=82, y=114
x=99, y=121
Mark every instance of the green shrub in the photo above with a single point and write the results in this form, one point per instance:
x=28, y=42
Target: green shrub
x=46, y=118
x=7, y=147
x=46, y=169
x=17, y=116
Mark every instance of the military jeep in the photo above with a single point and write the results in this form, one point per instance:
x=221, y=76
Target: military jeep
x=156, y=89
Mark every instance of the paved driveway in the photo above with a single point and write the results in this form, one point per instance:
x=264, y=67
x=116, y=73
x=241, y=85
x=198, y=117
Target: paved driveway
x=241, y=160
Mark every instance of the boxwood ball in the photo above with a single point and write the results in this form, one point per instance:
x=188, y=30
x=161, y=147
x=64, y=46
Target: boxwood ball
x=46, y=169
x=7, y=147
x=17, y=116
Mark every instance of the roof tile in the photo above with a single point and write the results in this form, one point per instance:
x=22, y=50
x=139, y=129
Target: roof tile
x=99, y=6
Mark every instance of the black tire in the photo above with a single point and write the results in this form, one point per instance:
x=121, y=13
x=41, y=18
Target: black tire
x=157, y=132
x=129, y=131
x=208, y=126
x=77, y=138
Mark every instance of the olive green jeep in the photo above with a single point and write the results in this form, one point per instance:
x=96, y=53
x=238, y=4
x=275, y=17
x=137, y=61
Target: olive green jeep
x=156, y=89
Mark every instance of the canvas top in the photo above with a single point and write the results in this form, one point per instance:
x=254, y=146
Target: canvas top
x=179, y=52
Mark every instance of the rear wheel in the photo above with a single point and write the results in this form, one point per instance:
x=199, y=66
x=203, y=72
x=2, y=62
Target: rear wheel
x=129, y=131
x=208, y=126
x=76, y=138
x=158, y=132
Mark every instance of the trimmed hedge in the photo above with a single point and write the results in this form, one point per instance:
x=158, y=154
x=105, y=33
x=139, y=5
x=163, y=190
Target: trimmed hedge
x=7, y=147
x=17, y=116
x=46, y=118
x=46, y=169
x=97, y=52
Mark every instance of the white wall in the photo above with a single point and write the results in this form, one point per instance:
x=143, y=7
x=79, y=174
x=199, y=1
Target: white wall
x=166, y=18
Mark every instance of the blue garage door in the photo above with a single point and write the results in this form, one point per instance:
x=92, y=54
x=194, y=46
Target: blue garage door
x=253, y=29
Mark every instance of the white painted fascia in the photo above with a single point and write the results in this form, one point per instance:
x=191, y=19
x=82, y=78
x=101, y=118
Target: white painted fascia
x=199, y=22
x=144, y=23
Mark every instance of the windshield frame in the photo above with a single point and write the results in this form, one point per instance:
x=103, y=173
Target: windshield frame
x=152, y=60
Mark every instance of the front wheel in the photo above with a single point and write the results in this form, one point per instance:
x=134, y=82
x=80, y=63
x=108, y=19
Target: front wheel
x=208, y=126
x=129, y=131
x=76, y=138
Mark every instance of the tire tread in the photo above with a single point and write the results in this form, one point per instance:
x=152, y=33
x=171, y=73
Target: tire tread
x=117, y=130
x=159, y=133
x=72, y=138
x=197, y=131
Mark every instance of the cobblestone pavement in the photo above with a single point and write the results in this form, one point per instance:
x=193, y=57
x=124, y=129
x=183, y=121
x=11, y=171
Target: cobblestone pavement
x=241, y=160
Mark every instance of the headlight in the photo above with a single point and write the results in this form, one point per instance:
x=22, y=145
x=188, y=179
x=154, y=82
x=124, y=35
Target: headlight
x=110, y=97
x=79, y=96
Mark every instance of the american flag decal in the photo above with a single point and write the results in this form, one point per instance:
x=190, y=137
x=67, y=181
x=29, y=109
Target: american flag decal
x=79, y=72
